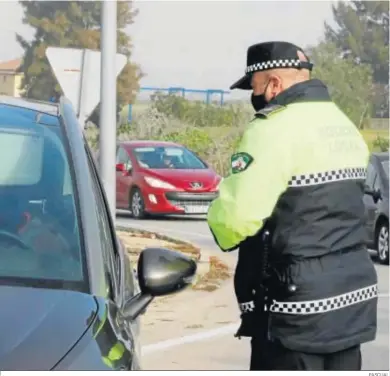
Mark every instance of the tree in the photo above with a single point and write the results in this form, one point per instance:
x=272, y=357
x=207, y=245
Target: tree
x=350, y=84
x=362, y=33
x=74, y=24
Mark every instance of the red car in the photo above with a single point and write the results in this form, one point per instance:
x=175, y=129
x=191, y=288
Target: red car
x=155, y=177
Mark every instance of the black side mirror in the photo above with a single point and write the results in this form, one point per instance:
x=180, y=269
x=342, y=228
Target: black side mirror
x=160, y=272
x=374, y=193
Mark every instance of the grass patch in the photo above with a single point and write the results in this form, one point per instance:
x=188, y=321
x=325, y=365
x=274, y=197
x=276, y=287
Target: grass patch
x=136, y=240
x=371, y=136
x=217, y=273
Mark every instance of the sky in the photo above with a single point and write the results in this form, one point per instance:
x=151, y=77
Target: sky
x=197, y=44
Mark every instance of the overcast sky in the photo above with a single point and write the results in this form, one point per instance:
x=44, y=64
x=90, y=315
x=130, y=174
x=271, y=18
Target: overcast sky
x=197, y=44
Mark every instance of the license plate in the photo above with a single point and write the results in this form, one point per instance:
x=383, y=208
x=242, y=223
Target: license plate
x=196, y=209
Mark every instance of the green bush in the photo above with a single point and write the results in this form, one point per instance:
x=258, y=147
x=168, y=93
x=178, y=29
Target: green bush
x=198, y=113
x=211, y=131
x=381, y=143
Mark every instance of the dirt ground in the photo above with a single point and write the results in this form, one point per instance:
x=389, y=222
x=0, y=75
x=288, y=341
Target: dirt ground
x=211, y=270
x=208, y=304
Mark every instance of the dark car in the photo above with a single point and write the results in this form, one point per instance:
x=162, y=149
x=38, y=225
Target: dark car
x=69, y=298
x=376, y=201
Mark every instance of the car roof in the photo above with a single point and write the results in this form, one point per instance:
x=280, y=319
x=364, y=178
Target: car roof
x=143, y=143
x=382, y=156
x=42, y=107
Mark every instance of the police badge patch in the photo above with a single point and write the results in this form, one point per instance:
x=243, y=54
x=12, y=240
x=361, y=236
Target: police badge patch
x=240, y=162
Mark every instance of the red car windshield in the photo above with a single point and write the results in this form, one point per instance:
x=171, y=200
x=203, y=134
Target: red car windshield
x=168, y=157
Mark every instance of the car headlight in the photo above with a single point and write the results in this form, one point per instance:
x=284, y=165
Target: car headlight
x=157, y=183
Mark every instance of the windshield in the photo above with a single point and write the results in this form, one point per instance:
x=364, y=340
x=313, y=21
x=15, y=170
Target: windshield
x=39, y=230
x=169, y=157
x=385, y=165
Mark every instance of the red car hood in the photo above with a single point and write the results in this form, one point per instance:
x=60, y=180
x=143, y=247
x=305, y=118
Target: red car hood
x=182, y=178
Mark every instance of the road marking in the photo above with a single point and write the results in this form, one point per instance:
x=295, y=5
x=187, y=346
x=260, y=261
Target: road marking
x=163, y=345
x=202, y=336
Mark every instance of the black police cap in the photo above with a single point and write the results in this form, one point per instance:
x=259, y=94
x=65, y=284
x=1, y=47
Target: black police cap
x=270, y=55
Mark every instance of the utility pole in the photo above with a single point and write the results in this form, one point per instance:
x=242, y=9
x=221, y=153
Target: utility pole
x=107, y=137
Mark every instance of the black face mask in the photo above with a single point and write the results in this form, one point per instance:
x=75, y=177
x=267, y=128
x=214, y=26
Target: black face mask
x=258, y=102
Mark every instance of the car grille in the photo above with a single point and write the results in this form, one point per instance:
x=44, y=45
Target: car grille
x=183, y=203
x=190, y=199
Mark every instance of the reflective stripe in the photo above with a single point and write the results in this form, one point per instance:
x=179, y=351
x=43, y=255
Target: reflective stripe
x=280, y=63
x=325, y=305
x=328, y=177
x=247, y=306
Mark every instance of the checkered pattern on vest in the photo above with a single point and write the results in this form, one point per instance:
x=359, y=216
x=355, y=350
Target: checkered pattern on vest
x=328, y=177
x=247, y=306
x=325, y=305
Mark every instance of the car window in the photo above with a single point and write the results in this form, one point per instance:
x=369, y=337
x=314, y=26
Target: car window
x=105, y=231
x=15, y=146
x=123, y=157
x=385, y=165
x=168, y=157
x=371, y=172
x=40, y=242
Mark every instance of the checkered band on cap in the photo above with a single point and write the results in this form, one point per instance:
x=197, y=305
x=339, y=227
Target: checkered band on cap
x=325, y=305
x=281, y=63
x=328, y=177
x=247, y=306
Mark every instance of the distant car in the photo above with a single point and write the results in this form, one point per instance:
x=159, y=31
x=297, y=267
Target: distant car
x=69, y=298
x=376, y=201
x=154, y=177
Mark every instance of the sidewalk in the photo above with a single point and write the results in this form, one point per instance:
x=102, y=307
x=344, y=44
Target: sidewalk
x=194, y=314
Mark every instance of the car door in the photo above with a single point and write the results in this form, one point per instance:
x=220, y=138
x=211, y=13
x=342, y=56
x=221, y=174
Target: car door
x=123, y=178
x=120, y=281
x=369, y=204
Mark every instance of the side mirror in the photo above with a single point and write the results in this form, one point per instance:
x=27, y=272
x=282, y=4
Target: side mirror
x=120, y=167
x=374, y=193
x=160, y=272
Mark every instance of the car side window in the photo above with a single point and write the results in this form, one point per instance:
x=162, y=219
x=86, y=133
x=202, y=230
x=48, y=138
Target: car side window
x=110, y=253
x=371, y=173
x=123, y=157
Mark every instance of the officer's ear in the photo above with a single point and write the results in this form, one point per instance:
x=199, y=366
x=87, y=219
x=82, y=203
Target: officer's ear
x=275, y=86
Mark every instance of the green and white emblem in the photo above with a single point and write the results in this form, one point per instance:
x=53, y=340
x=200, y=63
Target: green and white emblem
x=240, y=162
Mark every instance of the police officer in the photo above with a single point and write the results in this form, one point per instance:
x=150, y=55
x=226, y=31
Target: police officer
x=302, y=162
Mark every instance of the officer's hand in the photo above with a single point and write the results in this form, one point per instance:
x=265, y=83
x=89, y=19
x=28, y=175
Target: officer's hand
x=247, y=327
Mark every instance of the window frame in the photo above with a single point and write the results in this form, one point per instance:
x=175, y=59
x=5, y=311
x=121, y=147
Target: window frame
x=370, y=169
x=113, y=253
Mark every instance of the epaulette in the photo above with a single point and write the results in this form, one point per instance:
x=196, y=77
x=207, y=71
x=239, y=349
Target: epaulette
x=269, y=110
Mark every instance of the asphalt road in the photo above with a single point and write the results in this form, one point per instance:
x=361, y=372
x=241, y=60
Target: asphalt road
x=194, y=229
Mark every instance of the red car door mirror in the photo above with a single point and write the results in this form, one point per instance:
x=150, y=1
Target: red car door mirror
x=120, y=167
